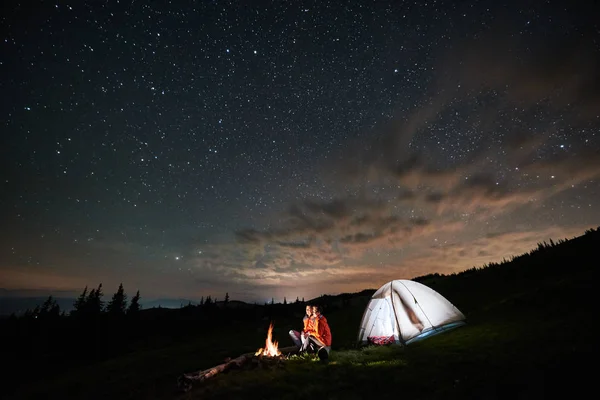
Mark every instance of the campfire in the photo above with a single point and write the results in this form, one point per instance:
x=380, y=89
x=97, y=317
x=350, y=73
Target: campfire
x=268, y=357
x=271, y=348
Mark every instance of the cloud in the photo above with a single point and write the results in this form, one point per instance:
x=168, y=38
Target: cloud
x=457, y=256
x=558, y=72
x=400, y=191
x=40, y=279
x=399, y=204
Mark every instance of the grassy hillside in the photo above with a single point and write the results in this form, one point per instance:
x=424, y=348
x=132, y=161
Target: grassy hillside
x=530, y=334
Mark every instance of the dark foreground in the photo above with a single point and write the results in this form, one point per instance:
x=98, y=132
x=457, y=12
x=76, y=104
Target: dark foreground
x=529, y=336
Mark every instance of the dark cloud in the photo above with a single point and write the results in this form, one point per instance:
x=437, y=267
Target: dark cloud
x=400, y=187
x=495, y=101
x=419, y=221
x=335, y=209
x=559, y=72
x=360, y=238
x=570, y=168
x=249, y=236
x=298, y=245
x=434, y=197
x=406, y=195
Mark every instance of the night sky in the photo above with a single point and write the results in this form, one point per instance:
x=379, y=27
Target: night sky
x=289, y=148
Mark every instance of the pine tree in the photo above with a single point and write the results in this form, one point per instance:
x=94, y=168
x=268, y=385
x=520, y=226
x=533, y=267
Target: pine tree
x=94, y=302
x=46, y=306
x=118, y=304
x=55, y=311
x=35, y=313
x=79, y=305
x=50, y=309
x=284, y=300
x=99, y=302
x=134, y=306
x=87, y=307
x=226, y=298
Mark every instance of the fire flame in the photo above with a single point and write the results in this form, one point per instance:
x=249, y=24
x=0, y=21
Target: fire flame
x=271, y=349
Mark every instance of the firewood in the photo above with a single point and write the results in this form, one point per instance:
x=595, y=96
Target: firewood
x=185, y=381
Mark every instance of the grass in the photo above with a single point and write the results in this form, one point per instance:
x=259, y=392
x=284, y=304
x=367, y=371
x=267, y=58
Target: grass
x=525, y=340
x=484, y=360
x=507, y=351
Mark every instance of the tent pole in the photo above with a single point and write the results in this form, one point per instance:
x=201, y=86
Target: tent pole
x=420, y=308
x=361, y=329
x=395, y=317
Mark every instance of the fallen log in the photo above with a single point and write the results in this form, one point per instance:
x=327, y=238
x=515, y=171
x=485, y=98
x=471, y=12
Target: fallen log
x=185, y=381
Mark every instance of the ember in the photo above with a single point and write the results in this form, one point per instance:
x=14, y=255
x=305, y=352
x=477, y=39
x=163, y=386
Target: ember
x=271, y=349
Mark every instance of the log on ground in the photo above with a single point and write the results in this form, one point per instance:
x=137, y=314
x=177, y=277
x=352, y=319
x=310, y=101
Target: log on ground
x=185, y=381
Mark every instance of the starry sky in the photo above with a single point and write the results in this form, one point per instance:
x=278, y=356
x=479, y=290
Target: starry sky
x=289, y=148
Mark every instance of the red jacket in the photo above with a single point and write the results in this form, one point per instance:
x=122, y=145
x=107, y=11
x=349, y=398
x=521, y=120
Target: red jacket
x=310, y=325
x=323, y=332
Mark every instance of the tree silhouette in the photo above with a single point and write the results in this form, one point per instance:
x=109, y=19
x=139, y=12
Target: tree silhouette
x=134, y=306
x=50, y=309
x=226, y=298
x=79, y=305
x=284, y=300
x=35, y=313
x=94, y=304
x=118, y=304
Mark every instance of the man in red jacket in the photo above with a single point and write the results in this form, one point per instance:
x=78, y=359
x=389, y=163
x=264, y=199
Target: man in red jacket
x=322, y=337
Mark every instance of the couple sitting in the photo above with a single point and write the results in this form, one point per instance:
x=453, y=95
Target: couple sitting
x=316, y=335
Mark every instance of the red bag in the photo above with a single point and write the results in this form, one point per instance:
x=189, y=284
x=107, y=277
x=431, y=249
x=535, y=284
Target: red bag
x=381, y=340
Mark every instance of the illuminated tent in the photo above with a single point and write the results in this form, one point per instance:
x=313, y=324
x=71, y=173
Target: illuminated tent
x=404, y=311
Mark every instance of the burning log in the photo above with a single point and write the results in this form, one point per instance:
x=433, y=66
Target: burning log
x=268, y=356
x=185, y=381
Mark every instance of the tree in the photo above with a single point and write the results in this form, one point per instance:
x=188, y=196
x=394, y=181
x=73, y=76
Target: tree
x=79, y=304
x=94, y=303
x=118, y=304
x=33, y=314
x=226, y=298
x=47, y=305
x=87, y=307
x=284, y=300
x=50, y=309
x=134, y=306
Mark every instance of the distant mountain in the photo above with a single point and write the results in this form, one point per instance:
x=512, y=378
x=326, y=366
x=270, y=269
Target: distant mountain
x=167, y=303
x=19, y=305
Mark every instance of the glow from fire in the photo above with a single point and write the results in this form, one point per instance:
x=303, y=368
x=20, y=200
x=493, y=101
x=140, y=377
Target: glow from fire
x=270, y=349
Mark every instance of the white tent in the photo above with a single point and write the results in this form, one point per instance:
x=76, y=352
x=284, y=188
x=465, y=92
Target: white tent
x=408, y=311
